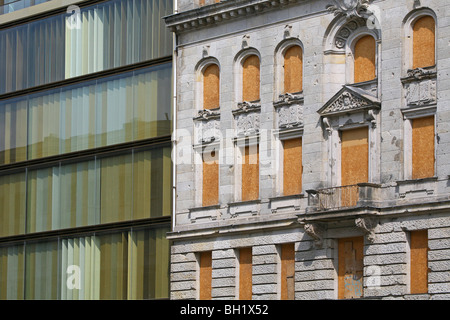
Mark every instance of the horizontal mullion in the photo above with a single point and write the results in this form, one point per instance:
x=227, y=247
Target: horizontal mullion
x=160, y=141
x=86, y=77
x=47, y=14
x=84, y=230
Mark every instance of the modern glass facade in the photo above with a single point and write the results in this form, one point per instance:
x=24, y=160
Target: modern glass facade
x=85, y=153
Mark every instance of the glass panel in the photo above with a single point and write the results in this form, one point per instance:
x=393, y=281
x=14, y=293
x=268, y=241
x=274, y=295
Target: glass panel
x=43, y=200
x=80, y=194
x=114, y=266
x=150, y=264
x=13, y=130
x=77, y=105
x=152, y=100
x=116, y=188
x=152, y=183
x=80, y=268
x=11, y=272
x=12, y=204
x=44, y=125
x=41, y=271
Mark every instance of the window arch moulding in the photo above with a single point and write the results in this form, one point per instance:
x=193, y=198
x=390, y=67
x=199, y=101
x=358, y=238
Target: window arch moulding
x=207, y=119
x=288, y=102
x=419, y=79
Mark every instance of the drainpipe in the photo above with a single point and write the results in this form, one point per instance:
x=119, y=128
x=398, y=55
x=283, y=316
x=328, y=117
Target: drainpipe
x=174, y=120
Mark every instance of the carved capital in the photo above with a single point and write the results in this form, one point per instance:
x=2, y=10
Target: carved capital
x=368, y=225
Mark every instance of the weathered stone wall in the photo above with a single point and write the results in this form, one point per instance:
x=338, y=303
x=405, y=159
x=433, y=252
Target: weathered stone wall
x=403, y=205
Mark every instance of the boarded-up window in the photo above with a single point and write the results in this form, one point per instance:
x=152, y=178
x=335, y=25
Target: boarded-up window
x=250, y=173
x=354, y=164
x=210, y=179
x=365, y=66
x=211, y=79
x=419, y=261
x=287, y=271
x=293, y=69
x=205, y=275
x=355, y=156
x=350, y=267
x=250, y=79
x=292, y=166
x=245, y=273
x=424, y=43
x=423, y=147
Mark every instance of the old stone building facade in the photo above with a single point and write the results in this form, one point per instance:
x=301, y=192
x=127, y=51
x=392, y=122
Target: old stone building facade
x=311, y=149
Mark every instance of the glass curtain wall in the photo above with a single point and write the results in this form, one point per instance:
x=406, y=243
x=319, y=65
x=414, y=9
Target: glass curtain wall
x=100, y=37
x=129, y=186
x=132, y=106
x=69, y=212
x=130, y=264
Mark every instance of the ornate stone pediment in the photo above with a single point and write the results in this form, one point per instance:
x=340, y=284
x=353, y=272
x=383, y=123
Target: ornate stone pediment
x=349, y=99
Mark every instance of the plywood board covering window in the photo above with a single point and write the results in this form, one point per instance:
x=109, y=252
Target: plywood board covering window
x=365, y=66
x=245, y=273
x=293, y=69
x=250, y=173
x=250, y=78
x=211, y=80
x=355, y=156
x=419, y=261
x=350, y=268
x=423, y=147
x=292, y=166
x=205, y=275
x=287, y=271
x=424, y=39
x=210, y=179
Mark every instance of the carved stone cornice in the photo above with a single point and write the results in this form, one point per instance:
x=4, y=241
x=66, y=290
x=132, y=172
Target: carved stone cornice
x=349, y=8
x=207, y=114
x=246, y=107
x=288, y=99
x=420, y=74
x=223, y=11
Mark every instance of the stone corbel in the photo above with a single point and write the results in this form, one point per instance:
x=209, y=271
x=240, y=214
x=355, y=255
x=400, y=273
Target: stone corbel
x=327, y=125
x=371, y=117
x=315, y=231
x=368, y=225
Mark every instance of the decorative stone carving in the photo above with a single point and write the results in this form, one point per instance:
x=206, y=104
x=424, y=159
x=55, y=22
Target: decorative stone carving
x=349, y=8
x=289, y=108
x=207, y=114
x=247, y=124
x=207, y=131
x=287, y=31
x=315, y=231
x=349, y=99
x=343, y=34
x=290, y=116
x=420, y=93
x=421, y=73
x=368, y=225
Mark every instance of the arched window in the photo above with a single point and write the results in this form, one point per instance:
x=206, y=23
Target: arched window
x=251, y=78
x=293, y=70
x=211, y=89
x=364, y=55
x=424, y=40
